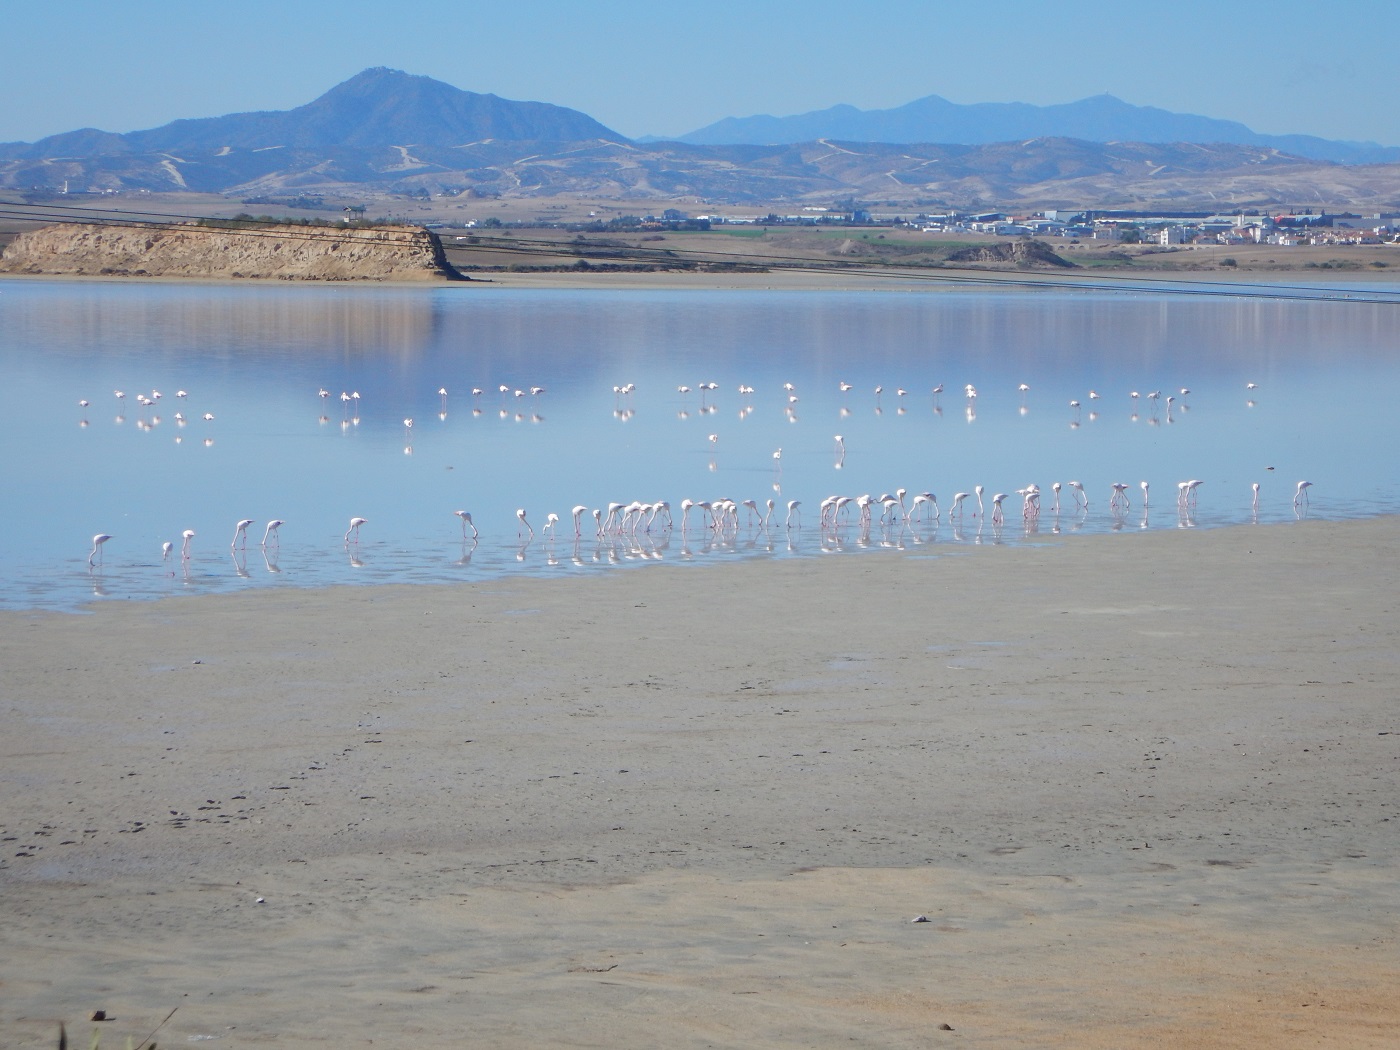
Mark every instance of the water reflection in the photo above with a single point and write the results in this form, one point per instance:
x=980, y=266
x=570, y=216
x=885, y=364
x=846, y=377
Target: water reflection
x=270, y=363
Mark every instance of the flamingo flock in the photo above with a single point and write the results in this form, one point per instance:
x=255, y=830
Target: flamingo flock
x=722, y=515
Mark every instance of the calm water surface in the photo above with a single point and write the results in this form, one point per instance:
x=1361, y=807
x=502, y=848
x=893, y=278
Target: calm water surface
x=255, y=357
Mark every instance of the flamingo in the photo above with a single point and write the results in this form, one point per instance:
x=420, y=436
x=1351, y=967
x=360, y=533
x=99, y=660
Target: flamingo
x=1302, y=493
x=1254, y=505
x=165, y=549
x=188, y=534
x=521, y=515
x=793, y=505
x=1055, y=488
x=957, y=507
x=1120, y=495
x=1144, y=494
x=550, y=520
x=778, y=459
x=1079, y=494
x=978, y=490
x=578, y=519
x=466, y=517
x=997, y=516
x=1030, y=503
x=408, y=429
x=272, y=533
x=97, y=542
x=241, y=531
x=355, y=524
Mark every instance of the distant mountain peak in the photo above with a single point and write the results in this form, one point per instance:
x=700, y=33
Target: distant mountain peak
x=377, y=107
x=1099, y=118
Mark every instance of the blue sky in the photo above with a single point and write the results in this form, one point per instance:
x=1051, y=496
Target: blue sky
x=1281, y=66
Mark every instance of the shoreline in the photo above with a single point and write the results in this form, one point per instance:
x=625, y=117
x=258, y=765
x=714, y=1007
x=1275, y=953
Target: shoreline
x=1141, y=793
x=930, y=280
x=662, y=552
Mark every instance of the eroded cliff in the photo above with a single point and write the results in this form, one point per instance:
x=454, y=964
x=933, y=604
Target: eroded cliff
x=294, y=253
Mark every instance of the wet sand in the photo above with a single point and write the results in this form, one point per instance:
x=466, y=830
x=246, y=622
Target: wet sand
x=1143, y=787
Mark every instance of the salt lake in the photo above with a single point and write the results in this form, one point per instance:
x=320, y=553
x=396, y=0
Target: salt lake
x=255, y=358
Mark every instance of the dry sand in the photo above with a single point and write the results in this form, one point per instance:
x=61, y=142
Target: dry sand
x=1144, y=788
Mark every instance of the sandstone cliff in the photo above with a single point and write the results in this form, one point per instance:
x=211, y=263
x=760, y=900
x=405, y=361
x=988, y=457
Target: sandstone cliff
x=294, y=253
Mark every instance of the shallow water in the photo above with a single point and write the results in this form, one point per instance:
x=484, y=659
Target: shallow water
x=255, y=357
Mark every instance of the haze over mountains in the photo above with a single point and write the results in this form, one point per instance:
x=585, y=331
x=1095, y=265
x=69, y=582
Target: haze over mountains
x=388, y=132
x=1101, y=118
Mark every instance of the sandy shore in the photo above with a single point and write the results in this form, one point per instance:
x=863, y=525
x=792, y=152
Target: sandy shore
x=1143, y=788
x=868, y=279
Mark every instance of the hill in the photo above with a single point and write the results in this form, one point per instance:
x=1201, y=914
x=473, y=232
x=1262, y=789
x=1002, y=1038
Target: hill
x=377, y=109
x=385, y=133
x=1102, y=118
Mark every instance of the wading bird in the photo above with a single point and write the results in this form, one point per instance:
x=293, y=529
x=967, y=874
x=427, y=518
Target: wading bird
x=97, y=542
x=241, y=532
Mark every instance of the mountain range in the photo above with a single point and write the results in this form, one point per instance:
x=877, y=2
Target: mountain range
x=1101, y=118
x=388, y=132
